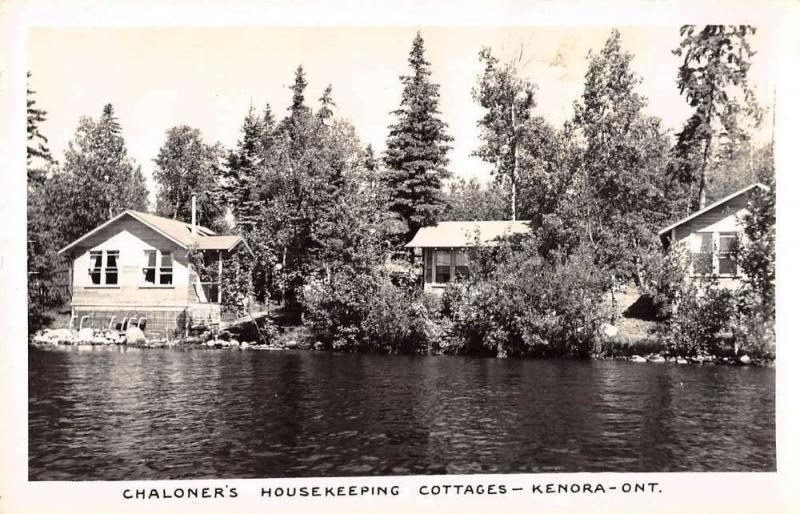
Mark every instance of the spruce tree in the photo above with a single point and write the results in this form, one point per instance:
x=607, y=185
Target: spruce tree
x=416, y=149
x=37, y=142
x=99, y=179
x=241, y=175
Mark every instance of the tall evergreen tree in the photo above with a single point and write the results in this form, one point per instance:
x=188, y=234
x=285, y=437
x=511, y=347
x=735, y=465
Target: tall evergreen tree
x=37, y=142
x=713, y=76
x=416, y=150
x=99, y=179
x=509, y=102
x=240, y=177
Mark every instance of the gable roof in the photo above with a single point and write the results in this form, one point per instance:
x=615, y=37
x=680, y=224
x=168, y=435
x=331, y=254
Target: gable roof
x=714, y=205
x=174, y=230
x=459, y=234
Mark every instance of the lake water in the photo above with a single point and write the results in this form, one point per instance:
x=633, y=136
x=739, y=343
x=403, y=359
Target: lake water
x=117, y=413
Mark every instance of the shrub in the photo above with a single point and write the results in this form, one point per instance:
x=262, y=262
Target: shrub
x=701, y=315
x=361, y=312
x=529, y=307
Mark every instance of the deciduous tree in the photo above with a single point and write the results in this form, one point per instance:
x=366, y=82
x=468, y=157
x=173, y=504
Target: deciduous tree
x=713, y=77
x=186, y=165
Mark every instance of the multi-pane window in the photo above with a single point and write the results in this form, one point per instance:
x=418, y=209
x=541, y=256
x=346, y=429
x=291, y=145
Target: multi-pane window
x=713, y=253
x=103, y=268
x=462, y=270
x=158, y=267
x=703, y=254
x=727, y=245
x=442, y=266
x=429, y=266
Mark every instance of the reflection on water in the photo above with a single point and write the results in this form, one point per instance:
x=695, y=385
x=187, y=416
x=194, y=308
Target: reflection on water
x=123, y=413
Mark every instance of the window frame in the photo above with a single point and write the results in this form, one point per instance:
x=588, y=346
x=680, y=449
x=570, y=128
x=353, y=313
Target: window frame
x=159, y=270
x=728, y=255
x=715, y=254
x=103, y=270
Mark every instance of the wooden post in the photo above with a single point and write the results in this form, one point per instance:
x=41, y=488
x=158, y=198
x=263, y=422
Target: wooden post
x=219, y=277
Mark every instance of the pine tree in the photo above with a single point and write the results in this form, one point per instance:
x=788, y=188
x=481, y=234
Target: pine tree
x=713, y=76
x=416, y=150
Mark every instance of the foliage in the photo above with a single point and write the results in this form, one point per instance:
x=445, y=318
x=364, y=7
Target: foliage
x=713, y=76
x=416, y=149
x=701, y=315
x=469, y=200
x=529, y=307
x=621, y=195
x=186, y=165
x=508, y=101
x=756, y=256
x=98, y=180
x=37, y=142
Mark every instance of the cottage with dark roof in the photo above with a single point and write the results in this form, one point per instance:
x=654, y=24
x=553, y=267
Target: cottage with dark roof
x=136, y=266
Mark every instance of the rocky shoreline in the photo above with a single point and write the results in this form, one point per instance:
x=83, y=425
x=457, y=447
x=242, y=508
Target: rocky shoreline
x=224, y=339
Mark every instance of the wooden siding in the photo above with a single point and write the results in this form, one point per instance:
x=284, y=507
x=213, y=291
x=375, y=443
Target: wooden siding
x=131, y=238
x=724, y=218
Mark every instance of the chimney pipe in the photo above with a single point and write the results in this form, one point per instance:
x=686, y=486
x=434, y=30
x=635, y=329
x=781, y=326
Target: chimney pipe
x=194, y=214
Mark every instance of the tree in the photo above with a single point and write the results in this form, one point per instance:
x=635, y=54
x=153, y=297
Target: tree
x=99, y=180
x=37, y=142
x=186, y=165
x=416, y=149
x=622, y=189
x=713, y=76
x=473, y=201
x=509, y=101
x=756, y=257
x=244, y=166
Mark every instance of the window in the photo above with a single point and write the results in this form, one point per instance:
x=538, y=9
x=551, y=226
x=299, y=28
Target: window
x=462, y=270
x=165, y=271
x=111, y=271
x=95, y=267
x=442, y=266
x=104, y=271
x=703, y=254
x=727, y=245
x=428, y=265
x=158, y=267
x=713, y=253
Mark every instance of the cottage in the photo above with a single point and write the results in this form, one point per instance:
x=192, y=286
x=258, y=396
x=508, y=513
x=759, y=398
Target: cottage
x=711, y=234
x=443, y=246
x=136, y=266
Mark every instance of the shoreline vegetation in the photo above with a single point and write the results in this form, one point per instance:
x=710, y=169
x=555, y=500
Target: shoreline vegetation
x=327, y=219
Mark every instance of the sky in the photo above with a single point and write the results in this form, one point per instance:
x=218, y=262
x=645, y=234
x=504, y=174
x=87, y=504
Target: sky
x=207, y=78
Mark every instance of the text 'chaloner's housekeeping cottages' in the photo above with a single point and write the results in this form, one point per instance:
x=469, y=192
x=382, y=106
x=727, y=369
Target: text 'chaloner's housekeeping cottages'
x=136, y=266
x=711, y=235
x=444, y=246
